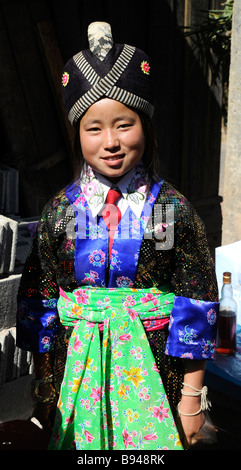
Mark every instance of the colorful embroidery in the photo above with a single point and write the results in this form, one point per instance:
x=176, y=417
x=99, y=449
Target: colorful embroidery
x=90, y=278
x=134, y=193
x=208, y=348
x=97, y=257
x=188, y=335
x=95, y=188
x=115, y=262
x=123, y=281
x=211, y=316
x=92, y=189
x=65, y=79
x=192, y=329
x=40, y=317
x=145, y=67
x=91, y=244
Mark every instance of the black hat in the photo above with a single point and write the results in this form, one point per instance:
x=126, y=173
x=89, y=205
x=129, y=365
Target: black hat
x=109, y=70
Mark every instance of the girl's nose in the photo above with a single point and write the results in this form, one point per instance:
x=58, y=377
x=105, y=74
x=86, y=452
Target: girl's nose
x=111, y=140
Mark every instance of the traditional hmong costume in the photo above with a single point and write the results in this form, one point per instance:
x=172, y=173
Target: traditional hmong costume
x=118, y=324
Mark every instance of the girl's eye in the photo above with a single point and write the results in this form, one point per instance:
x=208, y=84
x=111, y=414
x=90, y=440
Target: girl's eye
x=124, y=126
x=94, y=129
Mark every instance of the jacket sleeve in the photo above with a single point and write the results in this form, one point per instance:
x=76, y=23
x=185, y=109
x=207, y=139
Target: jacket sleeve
x=37, y=316
x=193, y=322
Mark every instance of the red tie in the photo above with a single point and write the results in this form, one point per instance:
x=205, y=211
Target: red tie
x=111, y=214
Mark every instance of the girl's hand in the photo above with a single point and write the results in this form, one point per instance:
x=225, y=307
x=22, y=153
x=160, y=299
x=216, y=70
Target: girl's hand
x=191, y=424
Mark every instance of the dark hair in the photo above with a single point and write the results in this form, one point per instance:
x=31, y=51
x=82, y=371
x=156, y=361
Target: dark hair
x=150, y=156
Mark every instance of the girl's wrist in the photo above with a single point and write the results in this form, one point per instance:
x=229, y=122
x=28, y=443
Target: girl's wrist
x=189, y=405
x=193, y=401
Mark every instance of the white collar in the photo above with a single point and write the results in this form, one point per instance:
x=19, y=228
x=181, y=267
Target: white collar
x=133, y=186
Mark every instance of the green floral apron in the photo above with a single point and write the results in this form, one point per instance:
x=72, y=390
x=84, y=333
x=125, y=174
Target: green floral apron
x=112, y=396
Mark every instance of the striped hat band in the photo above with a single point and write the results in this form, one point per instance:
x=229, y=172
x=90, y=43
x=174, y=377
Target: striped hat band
x=123, y=76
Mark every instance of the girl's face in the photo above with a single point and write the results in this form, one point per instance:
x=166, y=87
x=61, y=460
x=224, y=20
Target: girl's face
x=112, y=138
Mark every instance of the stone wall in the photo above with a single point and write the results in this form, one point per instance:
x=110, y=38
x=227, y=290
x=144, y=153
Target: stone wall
x=15, y=243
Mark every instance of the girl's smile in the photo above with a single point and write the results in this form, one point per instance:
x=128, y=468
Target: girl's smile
x=112, y=138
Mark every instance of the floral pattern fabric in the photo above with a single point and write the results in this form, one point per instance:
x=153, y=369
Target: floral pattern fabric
x=38, y=323
x=193, y=335
x=112, y=396
x=91, y=244
x=133, y=187
x=193, y=324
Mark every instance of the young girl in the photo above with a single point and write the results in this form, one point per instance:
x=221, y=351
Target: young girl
x=117, y=300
